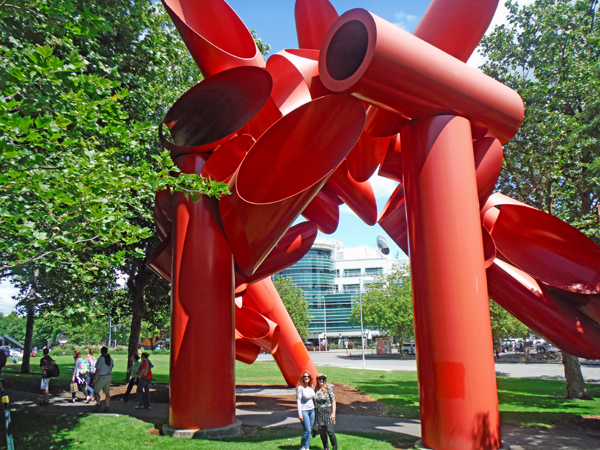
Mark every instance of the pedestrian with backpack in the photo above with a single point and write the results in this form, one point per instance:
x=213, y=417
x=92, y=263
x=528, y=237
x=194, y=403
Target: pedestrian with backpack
x=49, y=370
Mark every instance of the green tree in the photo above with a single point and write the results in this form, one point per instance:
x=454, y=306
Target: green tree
x=387, y=305
x=549, y=53
x=505, y=325
x=295, y=303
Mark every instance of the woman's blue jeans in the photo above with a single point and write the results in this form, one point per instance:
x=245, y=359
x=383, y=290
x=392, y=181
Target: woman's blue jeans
x=309, y=419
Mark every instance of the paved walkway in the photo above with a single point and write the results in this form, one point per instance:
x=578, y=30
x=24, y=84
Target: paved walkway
x=557, y=438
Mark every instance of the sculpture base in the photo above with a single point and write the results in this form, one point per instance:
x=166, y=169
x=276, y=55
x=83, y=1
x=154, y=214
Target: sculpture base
x=419, y=444
x=212, y=433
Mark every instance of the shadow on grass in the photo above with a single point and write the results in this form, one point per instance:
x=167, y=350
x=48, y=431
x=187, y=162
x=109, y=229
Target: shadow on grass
x=401, y=399
x=35, y=431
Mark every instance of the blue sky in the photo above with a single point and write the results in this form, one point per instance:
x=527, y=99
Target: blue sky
x=273, y=21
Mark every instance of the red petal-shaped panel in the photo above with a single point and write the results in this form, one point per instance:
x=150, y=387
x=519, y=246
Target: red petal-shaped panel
x=226, y=159
x=387, y=66
x=391, y=167
x=382, y=122
x=291, y=356
x=245, y=351
x=366, y=155
x=393, y=219
x=456, y=26
x=489, y=247
x=266, y=117
x=324, y=212
x=545, y=247
x=358, y=196
x=161, y=259
x=284, y=170
x=214, y=34
x=209, y=113
x=292, y=75
x=164, y=199
x=313, y=19
x=161, y=221
x=289, y=250
x=488, y=162
x=556, y=320
x=257, y=328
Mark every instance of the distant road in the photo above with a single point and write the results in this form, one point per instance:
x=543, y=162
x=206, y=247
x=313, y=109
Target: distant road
x=548, y=371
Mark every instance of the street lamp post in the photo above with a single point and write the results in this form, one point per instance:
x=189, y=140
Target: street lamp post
x=362, y=331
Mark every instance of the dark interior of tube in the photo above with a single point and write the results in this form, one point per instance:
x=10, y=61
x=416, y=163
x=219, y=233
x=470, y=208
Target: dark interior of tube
x=347, y=50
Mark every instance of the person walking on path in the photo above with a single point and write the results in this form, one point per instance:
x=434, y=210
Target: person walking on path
x=45, y=363
x=89, y=377
x=133, y=378
x=104, y=367
x=79, y=370
x=145, y=379
x=325, y=408
x=306, y=407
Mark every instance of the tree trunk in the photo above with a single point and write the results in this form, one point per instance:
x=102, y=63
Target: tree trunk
x=575, y=384
x=25, y=365
x=137, y=288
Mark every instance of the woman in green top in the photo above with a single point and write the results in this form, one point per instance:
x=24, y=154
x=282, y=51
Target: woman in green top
x=325, y=408
x=134, y=377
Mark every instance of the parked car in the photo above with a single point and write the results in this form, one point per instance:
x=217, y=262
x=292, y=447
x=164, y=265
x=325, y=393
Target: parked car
x=546, y=347
x=16, y=353
x=409, y=348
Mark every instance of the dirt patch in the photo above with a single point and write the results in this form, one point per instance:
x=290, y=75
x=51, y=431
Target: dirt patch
x=349, y=401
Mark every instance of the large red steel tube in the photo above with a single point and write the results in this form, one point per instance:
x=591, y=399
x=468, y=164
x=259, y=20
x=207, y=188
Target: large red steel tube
x=488, y=163
x=542, y=311
x=544, y=246
x=453, y=26
x=208, y=114
x=284, y=170
x=389, y=67
x=291, y=355
x=457, y=380
x=214, y=34
x=202, y=375
x=313, y=19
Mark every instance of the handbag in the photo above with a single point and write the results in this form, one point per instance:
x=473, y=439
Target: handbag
x=74, y=387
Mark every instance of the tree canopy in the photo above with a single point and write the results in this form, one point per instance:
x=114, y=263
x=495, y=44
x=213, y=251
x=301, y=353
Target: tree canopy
x=295, y=303
x=387, y=305
x=549, y=52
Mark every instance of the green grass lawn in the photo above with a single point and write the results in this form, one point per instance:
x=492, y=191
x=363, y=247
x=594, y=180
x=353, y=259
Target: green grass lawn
x=39, y=431
x=523, y=402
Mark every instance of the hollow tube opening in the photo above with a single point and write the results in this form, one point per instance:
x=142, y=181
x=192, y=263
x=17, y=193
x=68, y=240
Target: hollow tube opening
x=347, y=50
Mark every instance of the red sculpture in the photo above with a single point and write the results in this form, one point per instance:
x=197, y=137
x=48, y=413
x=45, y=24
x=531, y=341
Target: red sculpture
x=302, y=135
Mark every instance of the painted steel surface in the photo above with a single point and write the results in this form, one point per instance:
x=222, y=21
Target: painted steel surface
x=544, y=246
x=214, y=34
x=375, y=60
x=457, y=380
x=291, y=356
x=313, y=19
x=257, y=214
x=277, y=135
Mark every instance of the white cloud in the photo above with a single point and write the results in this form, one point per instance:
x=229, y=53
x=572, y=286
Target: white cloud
x=405, y=21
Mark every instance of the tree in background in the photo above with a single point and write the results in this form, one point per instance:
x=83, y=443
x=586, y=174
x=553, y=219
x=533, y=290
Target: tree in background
x=295, y=303
x=549, y=53
x=505, y=325
x=387, y=305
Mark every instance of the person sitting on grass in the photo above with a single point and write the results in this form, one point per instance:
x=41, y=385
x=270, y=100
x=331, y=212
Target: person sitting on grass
x=104, y=367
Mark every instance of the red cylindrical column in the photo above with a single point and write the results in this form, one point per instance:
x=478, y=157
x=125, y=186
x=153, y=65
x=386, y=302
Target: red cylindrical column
x=202, y=378
x=457, y=381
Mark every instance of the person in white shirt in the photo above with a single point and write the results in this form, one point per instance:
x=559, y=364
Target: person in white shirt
x=104, y=367
x=306, y=407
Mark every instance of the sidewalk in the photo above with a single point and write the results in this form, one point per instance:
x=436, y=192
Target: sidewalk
x=558, y=438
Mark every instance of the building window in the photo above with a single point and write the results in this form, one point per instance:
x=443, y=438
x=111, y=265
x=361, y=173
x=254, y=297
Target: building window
x=373, y=271
x=352, y=273
x=351, y=288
